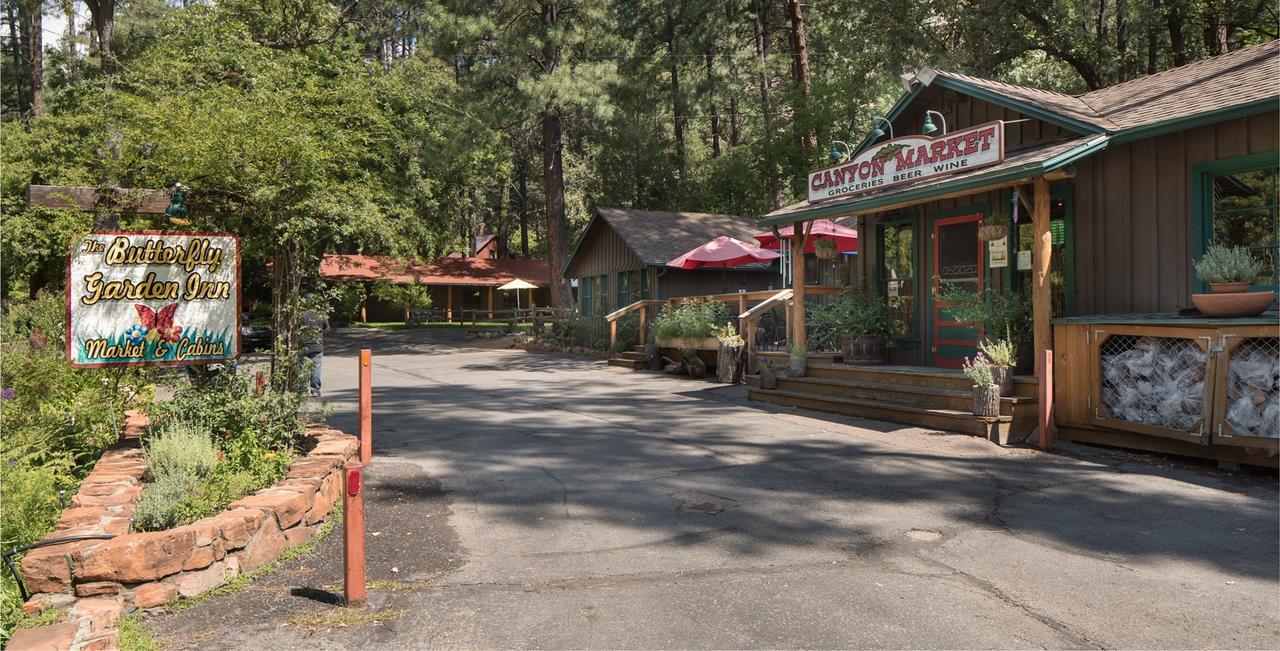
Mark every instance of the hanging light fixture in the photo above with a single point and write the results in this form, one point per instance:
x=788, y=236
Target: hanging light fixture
x=838, y=156
x=878, y=133
x=929, y=127
x=177, y=210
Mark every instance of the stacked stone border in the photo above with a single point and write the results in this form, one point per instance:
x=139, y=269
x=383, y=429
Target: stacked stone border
x=101, y=580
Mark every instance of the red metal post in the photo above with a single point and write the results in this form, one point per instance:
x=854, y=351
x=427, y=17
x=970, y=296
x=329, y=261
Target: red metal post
x=1046, y=400
x=366, y=407
x=353, y=575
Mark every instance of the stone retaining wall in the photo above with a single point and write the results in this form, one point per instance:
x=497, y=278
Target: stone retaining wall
x=102, y=579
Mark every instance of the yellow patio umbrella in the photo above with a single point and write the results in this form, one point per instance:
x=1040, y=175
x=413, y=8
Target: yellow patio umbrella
x=518, y=285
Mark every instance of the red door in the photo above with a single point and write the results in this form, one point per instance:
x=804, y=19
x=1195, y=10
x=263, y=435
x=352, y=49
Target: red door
x=958, y=259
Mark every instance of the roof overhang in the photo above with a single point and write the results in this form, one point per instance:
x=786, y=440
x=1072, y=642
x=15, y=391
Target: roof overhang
x=1052, y=167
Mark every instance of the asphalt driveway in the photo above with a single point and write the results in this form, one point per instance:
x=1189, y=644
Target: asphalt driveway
x=535, y=500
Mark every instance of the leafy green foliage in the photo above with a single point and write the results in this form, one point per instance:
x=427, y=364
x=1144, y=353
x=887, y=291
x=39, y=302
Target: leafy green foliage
x=978, y=370
x=1225, y=264
x=181, y=447
x=1001, y=352
x=691, y=318
x=855, y=314
x=345, y=300
x=1007, y=312
x=157, y=508
x=407, y=296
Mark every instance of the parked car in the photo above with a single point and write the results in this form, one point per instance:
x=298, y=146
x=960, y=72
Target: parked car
x=254, y=336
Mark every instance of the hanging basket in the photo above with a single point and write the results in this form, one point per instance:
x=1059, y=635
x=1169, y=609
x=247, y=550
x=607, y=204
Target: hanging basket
x=992, y=232
x=825, y=250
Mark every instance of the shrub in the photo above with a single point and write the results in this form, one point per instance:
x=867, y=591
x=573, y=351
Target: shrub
x=158, y=508
x=345, y=300
x=1223, y=264
x=693, y=318
x=211, y=497
x=31, y=505
x=1002, y=352
x=237, y=418
x=728, y=336
x=854, y=315
x=979, y=371
x=181, y=447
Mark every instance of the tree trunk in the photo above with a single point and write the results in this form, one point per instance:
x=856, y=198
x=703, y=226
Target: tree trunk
x=800, y=74
x=286, y=282
x=522, y=172
x=103, y=14
x=1177, y=40
x=553, y=171
x=1152, y=45
x=504, y=216
x=677, y=108
x=16, y=45
x=711, y=92
x=761, y=26
x=35, y=55
x=69, y=10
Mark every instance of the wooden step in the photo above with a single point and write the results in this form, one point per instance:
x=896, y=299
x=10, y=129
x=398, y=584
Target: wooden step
x=949, y=420
x=957, y=399
x=910, y=376
x=633, y=364
x=631, y=355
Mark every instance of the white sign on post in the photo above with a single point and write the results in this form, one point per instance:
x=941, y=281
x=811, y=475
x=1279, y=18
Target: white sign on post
x=153, y=299
x=998, y=252
x=910, y=158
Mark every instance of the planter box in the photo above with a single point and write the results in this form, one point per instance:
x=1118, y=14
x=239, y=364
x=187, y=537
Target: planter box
x=681, y=343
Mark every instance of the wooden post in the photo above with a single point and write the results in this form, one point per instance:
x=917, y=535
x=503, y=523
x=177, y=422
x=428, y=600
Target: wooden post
x=448, y=304
x=490, y=303
x=366, y=407
x=353, y=566
x=1045, y=390
x=613, y=336
x=644, y=324
x=1041, y=290
x=799, y=335
x=364, y=314
x=742, y=302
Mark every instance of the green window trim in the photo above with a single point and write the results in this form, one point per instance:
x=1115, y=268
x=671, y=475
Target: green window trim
x=912, y=338
x=1202, y=212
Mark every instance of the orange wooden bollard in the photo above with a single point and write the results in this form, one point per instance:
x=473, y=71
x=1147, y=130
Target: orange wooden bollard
x=366, y=406
x=353, y=573
x=1046, y=400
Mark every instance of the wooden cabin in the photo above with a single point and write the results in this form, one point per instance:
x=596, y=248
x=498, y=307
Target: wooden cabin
x=1115, y=193
x=622, y=257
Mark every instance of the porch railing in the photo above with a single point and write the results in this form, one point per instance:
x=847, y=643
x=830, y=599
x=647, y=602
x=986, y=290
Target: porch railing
x=642, y=307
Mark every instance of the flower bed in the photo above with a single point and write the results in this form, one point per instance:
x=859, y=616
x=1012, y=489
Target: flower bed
x=102, y=579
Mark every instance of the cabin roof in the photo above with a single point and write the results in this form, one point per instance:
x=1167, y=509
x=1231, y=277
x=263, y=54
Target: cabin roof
x=658, y=236
x=483, y=272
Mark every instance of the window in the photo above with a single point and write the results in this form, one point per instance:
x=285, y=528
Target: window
x=602, y=296
x=1237, y=206
x=624, y=289
x=897, y=276
x=1060, y=208
x=584, y=296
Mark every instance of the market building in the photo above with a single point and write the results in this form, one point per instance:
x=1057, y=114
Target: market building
x=622, y=257
x=1095, y=206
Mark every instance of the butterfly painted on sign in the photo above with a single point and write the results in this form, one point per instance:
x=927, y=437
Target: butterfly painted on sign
x=160, y=322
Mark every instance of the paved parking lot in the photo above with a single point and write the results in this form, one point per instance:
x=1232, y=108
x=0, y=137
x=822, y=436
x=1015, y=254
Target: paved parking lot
x=535, y=500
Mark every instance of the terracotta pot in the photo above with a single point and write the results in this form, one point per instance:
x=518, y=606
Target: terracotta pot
x=986, y=401
x=1233, y=304
x=1229, y=288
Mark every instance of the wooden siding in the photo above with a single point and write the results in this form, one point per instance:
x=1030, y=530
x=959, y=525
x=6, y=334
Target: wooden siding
x=964, y=111
x=1133, y=222
x=674, y=283
x=602, y=251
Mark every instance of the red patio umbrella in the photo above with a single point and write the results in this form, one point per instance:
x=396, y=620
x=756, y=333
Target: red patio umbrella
x=724, y=252
x=823, y=229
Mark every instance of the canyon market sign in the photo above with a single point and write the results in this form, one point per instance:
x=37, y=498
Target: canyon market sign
x=153, y=299
x=910, y=158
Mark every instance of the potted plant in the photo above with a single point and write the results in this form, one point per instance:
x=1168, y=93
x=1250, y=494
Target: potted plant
x=768, y=374
x=797, y=360
x=1003, y=356
x=986, y=395
x=731, y=345
x=858, y=324
x=825, y=249
x=994, y=227
x=1229, y=271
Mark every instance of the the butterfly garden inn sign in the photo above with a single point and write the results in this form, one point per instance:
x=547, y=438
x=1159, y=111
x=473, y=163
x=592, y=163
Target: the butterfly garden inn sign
x=153, y=298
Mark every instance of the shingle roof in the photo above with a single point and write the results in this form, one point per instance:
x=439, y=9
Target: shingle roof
x=490, y=272
x=1060, y=103
x=657, y=236
x=1230, y=79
